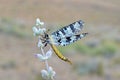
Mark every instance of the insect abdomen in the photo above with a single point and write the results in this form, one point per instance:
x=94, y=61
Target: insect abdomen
x=59, y=54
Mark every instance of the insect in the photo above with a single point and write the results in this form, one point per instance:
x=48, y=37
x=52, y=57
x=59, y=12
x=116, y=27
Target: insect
x=64, y=36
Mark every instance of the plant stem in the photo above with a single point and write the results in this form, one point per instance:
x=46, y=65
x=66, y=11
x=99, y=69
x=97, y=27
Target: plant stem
x=46, y=62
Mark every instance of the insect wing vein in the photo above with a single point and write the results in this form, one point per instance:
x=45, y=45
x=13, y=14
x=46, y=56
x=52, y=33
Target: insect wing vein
x=68, y=40
x=69, y=30
x=59, y=36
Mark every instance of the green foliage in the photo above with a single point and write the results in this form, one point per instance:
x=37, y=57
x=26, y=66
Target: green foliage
x=107, y=48
x=11, y=27
x=82, y=48
x=115, y=61
x=90, y=67
x=38, y=77
x=100, y=70
x=8, y=65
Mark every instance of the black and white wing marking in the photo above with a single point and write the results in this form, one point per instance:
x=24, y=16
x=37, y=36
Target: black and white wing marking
x=67, y=31
x=68, y=40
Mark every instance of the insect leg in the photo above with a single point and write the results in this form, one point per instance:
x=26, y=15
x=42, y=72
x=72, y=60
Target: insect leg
x=45, y=45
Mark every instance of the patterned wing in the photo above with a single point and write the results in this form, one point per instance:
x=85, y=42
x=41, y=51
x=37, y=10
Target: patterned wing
x=68, y=40
x=69, y=30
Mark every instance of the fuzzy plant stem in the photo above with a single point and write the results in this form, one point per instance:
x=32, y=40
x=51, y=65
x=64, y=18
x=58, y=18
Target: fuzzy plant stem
x=47, y=73
x=46, y=62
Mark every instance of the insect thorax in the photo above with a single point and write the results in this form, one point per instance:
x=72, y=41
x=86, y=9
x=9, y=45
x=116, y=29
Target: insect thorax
x=45, y=39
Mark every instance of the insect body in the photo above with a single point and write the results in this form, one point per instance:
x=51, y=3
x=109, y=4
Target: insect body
x=64, y=36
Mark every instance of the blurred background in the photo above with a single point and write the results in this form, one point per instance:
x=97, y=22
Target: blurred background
x=95, y=57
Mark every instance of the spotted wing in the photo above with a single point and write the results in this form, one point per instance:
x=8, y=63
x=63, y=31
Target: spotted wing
x=69, y=30
x=68, y=40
